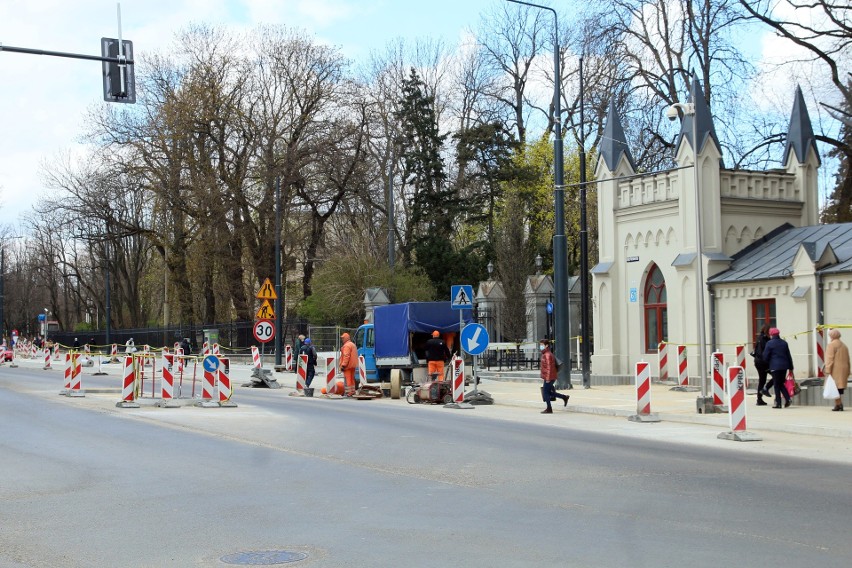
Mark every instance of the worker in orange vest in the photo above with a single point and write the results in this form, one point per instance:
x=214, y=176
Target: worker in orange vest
x=436, y=355
x=348, y=363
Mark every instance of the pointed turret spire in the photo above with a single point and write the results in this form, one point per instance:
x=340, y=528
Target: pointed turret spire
x=705, y=128
x=614, y=143
x=800, y=133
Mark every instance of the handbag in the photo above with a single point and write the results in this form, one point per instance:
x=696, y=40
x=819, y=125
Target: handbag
x=792, y=386
x=552, y=395
x=829, y=389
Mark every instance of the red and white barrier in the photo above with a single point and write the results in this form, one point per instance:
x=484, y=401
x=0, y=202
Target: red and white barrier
x=737, y=407
x=301, y=373
x=331, y=375
x=167, y=385
x=255, y=357
x=180, y=360
x=34, y=351
x=819, y=350
x=682, y=368
x=736, y=392
x=288, y=357
x=46, y=359
x=225, y=390
x=362, y=370
x=718, y=363
x=642, y=377
x=87, y=349
x=741, y=361
x=458, y=380
x=663, y=357
x=67, y=374
x=56, y=351
x=208, y=385
x=113, y=351
x=128, y=389
x=205, y=349
x=216, y=349
x=76, y=388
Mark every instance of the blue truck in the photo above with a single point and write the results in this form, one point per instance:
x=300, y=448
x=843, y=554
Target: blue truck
x=393, y=345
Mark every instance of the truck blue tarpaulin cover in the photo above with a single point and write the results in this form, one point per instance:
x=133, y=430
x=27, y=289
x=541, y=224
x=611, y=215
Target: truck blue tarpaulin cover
x=394, y=322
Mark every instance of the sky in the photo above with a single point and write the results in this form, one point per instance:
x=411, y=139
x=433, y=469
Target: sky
x=44, y=99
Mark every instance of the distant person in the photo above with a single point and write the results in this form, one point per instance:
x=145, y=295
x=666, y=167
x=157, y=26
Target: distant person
x=348, y=363
x=76, y=343
x=308, y=349
x=300, y=340
x=761, y=366
x=437, y=354
x=837, y=365
x=777, y=356
x=548, y=376
x=129, y=346
x=187, y=348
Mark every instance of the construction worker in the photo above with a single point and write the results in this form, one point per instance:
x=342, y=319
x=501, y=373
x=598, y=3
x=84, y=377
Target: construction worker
x=436, y=355
x=348, y=363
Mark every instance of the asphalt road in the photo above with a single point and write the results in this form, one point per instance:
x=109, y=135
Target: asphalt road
x=383, y=483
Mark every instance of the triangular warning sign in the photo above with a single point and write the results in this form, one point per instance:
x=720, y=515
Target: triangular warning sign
x=462, y=298
x=266, y=311
x=267, y=291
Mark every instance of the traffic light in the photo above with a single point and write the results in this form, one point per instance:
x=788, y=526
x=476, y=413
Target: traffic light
x=119, y=79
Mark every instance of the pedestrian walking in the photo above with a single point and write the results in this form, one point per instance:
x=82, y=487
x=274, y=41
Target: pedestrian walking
x=437, y=354
x=837, y=365
x=777, y=356
x=348, y=363
x=130, y=346
x=548, y=376
x=308, y=349
x=761, y=365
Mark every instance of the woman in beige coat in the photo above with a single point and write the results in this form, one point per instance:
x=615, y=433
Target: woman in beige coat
x=837, y=364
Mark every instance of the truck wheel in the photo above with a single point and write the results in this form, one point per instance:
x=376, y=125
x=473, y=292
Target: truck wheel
x=395, y=383
x=448, y=398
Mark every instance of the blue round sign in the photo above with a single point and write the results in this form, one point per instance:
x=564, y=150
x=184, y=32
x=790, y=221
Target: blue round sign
x=474, y=338
x=549, y=307
x=211, y=363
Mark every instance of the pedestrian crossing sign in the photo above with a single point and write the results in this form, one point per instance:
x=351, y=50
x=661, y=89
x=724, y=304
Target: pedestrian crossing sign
x=461, y=297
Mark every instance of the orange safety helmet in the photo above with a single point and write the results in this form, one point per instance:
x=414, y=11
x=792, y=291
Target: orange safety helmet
x=435, y=333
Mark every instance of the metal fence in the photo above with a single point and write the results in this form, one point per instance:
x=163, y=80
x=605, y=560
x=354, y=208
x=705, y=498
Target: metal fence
x=235, y=337
x=327, y=338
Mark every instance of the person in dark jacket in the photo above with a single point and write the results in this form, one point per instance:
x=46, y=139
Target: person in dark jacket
x=436, y=355
x=777, y=356
x=761, y=365
x=548, y=376
x=308, y=349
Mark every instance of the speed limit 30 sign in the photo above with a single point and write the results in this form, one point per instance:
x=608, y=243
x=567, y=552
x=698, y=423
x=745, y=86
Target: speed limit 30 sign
x=264, y=330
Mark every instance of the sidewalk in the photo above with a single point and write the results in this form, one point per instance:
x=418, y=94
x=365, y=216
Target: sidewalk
x=675, y=406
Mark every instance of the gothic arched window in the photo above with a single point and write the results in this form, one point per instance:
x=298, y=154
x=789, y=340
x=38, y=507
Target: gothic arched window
x=656, y=316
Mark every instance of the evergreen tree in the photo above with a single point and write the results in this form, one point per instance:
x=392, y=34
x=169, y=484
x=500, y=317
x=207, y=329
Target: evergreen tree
x=838, y=209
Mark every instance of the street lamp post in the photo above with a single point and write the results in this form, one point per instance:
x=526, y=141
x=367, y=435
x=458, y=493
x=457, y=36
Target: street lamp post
x=683, y=110
x=560, y=260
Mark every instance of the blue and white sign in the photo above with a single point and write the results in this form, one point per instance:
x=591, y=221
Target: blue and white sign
x=474, y=338
x=461, y=296
x=548, y=307
x=634, y=295
x=211, y=363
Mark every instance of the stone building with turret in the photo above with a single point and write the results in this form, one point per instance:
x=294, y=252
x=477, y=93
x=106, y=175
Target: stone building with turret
x=764, y=257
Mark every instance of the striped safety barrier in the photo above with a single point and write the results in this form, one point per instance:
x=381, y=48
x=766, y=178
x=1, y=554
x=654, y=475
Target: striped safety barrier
x=224, y=387
x=205, y=349
x=458, y=380
x=741, y=361
x=216, y=349
x=167, y=385
x=331, y=375
x=288, y=357
x=301, y=373
x=76, y=388
x=113, y=351
x=663, y=356
x=180, y=360
x=819, y=350
x=643, y=388
x=46, y=359
x=56, y=351
x=255, y=357
x=128, y=386
x=362, y=370
x=718, y=364
x=736, y=396
x=67, y=374
x=682, y=368
x=208, y=384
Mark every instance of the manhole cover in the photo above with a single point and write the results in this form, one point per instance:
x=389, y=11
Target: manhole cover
x=263, y=557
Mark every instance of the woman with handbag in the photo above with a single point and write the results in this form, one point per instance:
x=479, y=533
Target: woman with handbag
x=548, y=376
x=777, y=356
x=761, y=366
x=837, y=365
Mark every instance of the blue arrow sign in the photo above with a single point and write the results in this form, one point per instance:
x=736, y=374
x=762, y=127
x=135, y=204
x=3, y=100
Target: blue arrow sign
x=211, y=363
x=474, y=338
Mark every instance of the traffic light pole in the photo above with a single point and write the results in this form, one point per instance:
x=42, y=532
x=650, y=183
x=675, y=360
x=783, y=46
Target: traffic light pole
x=118, y=60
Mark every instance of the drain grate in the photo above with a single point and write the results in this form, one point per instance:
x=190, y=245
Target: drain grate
x=263, y=557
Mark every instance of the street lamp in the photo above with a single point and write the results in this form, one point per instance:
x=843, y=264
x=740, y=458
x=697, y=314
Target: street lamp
x=560, y=259
x=683, y=110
